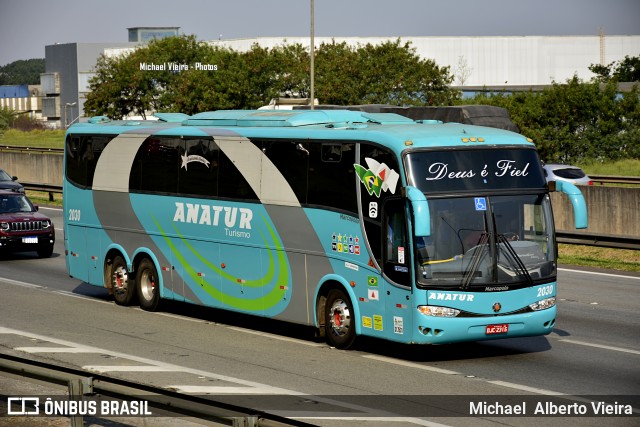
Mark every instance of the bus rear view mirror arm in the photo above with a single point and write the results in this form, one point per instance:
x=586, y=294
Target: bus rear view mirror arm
x=577, y=200
x=420, y=208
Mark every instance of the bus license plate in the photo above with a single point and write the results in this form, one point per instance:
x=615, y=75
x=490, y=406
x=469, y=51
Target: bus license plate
x=29, y=240
x=497, y=329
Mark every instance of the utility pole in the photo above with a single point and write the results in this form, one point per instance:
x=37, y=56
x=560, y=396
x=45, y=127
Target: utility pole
x=601, y=34
x=312, y=54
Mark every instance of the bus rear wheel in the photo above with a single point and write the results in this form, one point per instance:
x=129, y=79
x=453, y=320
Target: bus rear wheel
x=148, y=285
x=121, y=285
x=340, y=328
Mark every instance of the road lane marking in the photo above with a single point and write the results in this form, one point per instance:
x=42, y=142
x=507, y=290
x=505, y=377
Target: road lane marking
x=22, y=284
x=82, y=297
x=240, y=385
x=595, y=273
x=417, y=421
x=54, y=349
x=548, y=392
x=173, y=316
x=143, y=360
x=127, y=368
x=197, y=389
x=163, y=367
x=606, y=347
x=276, y=337
x=410, y=364
x=527, y=388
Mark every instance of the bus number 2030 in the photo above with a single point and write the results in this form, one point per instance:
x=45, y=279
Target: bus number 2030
x=544, y=291
x=74, y=214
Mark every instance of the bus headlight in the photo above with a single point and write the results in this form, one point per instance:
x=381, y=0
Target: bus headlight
x=435, y=311
x=543, y=304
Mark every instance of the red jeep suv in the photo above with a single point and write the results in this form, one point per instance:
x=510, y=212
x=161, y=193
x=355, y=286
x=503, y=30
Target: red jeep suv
x=22, y=227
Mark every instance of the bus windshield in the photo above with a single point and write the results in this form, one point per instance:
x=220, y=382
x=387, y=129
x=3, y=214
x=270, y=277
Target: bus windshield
x=487, y=241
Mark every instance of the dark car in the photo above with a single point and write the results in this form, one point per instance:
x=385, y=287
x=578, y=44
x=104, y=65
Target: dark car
x=8, y=182
x=22, y=227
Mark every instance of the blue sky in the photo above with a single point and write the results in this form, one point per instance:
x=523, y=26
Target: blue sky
x=27, y=26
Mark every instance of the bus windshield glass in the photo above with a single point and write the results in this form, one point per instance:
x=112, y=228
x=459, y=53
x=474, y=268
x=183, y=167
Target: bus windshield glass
x=487, y=241
x=475, y=170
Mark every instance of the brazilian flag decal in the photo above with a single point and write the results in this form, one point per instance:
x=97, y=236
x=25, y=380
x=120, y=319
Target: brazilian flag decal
x=378, y=177
x=372, y=183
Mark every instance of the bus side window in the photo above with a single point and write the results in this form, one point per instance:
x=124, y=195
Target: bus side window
x=75, y=169
x=198, y=173
x=331, y=176
x=396, y=248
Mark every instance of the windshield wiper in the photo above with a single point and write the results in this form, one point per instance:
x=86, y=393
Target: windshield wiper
x=475, y=261
x=515, y=258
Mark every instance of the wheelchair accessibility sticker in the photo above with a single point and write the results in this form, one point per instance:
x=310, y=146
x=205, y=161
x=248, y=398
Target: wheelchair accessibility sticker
x=481, y=203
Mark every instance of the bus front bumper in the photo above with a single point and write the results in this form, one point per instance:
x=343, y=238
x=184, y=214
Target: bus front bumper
x=436, y=330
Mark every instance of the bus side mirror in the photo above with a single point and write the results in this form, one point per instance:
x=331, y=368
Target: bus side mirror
x=577, y=200
x=420, y=208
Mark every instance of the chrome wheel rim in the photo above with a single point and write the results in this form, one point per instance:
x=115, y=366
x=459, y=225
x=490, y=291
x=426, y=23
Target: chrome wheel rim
x=340, y=318
x=147, y=285
x=120, y=281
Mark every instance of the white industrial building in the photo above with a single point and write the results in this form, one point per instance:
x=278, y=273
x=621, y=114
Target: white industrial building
x=494, y=63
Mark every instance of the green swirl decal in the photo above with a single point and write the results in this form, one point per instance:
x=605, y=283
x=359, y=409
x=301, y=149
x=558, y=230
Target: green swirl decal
x=266, y=301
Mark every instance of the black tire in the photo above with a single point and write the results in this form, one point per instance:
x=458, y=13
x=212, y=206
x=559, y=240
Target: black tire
x=45, y=251
x=122, y=285
x=148, y=285
x=339, y=320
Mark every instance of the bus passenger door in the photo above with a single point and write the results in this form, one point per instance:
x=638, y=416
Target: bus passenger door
x=397, y=270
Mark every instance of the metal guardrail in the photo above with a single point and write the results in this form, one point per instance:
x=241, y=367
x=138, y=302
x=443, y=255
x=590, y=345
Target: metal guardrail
x=38, y=150
x=46, y=188
x=615, y=179
x=81, y=383
x=592, y=239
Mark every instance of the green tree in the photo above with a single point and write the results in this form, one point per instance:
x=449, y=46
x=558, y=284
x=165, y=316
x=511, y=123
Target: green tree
x=22, y=72
x=388, y=73
x=125, y=85
x=576, y=121
x=115, y=89
x=627, y=70
x=7, y=118
x=392, y=73
x=262, y=74
x=337, y=75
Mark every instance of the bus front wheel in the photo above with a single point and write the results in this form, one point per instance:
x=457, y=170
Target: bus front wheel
x=339, y=321
x=148, y=285
x=121, y=284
